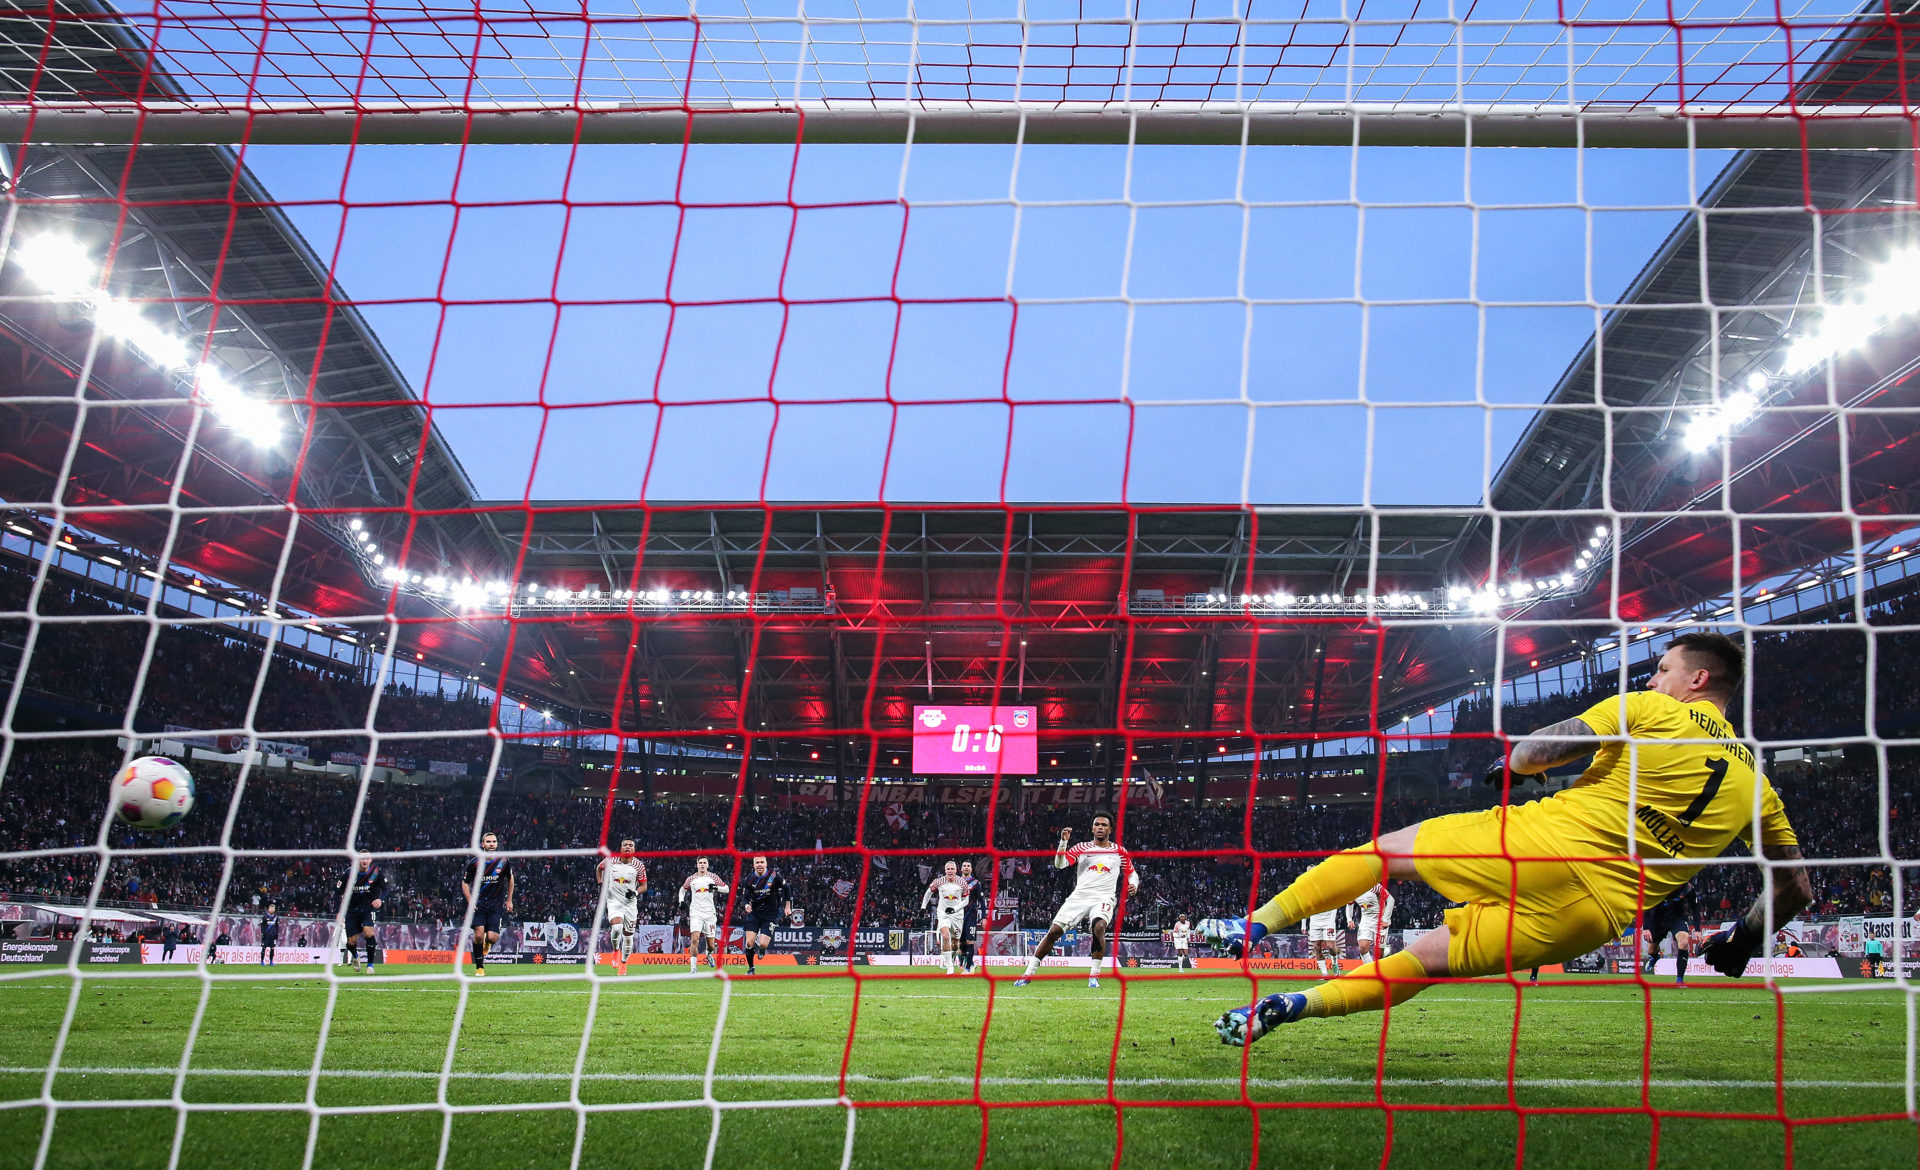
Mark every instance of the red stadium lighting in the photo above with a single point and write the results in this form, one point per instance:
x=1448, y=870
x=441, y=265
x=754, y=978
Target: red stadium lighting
x=1222, y=748
x=814, y=756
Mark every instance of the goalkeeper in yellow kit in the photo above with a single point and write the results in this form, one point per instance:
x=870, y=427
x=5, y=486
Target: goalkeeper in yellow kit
x=1548, y=881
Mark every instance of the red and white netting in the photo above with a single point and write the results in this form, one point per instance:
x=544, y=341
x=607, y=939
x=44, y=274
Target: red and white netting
x=1205, y=380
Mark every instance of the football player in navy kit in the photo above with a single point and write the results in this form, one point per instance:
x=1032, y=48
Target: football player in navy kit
x=269, y=936
x=767, y=908
x=365, y=890
x=488, y=885
x=970, y=923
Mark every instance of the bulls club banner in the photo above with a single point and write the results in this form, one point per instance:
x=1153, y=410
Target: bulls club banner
x=832, y=940
x=793, y=940
x=869, y=939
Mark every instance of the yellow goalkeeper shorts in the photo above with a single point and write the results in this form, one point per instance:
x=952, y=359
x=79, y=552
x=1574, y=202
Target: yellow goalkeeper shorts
x=1518, y=914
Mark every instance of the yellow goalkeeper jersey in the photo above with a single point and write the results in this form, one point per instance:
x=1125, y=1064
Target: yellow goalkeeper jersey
x=1681, y=799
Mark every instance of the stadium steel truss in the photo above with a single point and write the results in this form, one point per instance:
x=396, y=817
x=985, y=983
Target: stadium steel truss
x=793, y=617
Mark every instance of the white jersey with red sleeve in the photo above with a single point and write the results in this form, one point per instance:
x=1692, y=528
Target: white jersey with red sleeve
x=622, y=876
x=698, y=891
x=1373, y=912
x=1099, y=868
x=947, y=895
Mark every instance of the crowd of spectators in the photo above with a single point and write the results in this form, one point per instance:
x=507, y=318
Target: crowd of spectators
x=204, y=676
x=1809, y=685
x=53, y=800
x=284, y=836
x=1812, y=684
x=1200, y=862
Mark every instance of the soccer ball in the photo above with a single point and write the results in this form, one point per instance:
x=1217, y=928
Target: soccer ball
x=152, y=792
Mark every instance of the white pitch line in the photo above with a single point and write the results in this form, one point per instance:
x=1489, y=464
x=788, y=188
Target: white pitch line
x=869, y=1079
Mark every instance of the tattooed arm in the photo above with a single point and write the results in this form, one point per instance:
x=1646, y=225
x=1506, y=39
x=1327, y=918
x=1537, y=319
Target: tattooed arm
x=1729, y=950
x=1792, y=889
x=1553, y=745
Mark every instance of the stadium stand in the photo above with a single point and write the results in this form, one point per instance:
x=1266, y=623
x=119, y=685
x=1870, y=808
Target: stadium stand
x=1810, y=687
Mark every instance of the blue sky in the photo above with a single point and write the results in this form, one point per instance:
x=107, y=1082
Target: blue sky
x=1276, y=326
x=1232, y=400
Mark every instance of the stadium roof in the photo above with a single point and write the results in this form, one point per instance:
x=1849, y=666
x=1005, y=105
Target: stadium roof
x=1083, y=609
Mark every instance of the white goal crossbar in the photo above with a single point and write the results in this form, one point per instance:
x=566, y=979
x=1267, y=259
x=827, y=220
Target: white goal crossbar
x=1758, y=127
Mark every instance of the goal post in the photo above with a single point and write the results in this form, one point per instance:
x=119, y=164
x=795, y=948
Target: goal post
x=1867, y=127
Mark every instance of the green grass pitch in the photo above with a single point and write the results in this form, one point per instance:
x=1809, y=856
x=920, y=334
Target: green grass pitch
x=645, y=1065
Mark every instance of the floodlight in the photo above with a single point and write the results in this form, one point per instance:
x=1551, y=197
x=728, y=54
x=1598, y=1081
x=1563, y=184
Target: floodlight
x=57, y=263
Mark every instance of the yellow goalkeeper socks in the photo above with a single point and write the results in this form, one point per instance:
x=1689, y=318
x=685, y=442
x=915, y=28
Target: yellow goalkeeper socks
x=1331, y=884
x=1368, y=987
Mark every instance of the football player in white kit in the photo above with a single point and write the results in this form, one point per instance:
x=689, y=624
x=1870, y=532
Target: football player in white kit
x=1323, y=941
x=948, y=895
x=1371, y=916
x=696, y=893
x=1182, y=941
x=1095, y=897
x=623, y=878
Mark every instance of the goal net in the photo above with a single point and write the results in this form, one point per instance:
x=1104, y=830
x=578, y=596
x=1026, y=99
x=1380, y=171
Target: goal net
x=796, y=448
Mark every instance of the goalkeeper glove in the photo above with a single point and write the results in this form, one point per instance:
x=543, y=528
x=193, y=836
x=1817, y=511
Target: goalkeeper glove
x=1235, y=936
x=1728, y=951
x=1496, y=774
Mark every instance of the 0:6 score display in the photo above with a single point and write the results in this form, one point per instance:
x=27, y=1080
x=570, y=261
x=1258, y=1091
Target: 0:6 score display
x=975, y=740
x=966, y=739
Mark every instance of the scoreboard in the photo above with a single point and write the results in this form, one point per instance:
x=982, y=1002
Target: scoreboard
x=974, y=741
